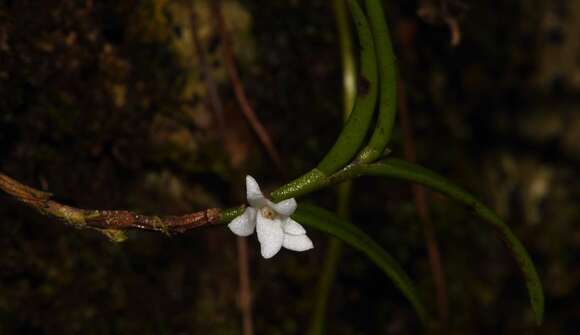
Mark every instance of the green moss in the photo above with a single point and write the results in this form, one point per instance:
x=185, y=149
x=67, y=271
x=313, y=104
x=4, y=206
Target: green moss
x=114, y=235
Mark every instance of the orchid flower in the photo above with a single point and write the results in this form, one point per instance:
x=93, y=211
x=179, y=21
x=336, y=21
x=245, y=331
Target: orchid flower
x=272, y=221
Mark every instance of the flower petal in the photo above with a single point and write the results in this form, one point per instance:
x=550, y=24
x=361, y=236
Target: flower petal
x=285, y=207
x=293, y=228
x=244, y=224
x=270, y=235
x=254, y=194
x=297, y=242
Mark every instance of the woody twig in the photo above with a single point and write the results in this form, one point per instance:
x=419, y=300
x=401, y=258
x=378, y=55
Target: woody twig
x=108, y=222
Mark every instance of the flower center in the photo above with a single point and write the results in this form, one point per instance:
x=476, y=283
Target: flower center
x=268, y=213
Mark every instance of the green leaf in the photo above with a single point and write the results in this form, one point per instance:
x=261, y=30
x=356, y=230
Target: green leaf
x=329, y=269
x=358, y=123
x=330, y=223
x=399, y=169
x=347, y=57
x=387, y=83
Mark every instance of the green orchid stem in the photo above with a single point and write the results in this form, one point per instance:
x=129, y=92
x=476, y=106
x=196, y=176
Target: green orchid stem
x=307, y=183
x=353, y=134
x=229, y=214
x=387, y=83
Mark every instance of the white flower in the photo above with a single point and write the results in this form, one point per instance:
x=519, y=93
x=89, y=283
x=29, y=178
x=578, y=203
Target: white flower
x=275, y=227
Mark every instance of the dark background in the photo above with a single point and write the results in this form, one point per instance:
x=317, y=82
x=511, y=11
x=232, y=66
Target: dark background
x=103, y=103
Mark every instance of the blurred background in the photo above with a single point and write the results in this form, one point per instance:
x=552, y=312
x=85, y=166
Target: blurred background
x=107, y=104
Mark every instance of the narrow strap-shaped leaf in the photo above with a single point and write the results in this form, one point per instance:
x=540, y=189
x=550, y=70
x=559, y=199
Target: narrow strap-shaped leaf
x=387, y=83
x=329, y=269
x=330, y=223
x=348, y=59
x=399, y=169
x=358, y=123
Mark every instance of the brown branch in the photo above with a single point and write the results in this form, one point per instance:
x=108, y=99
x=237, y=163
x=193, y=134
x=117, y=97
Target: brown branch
x=239, y=91
x=423, y=211
x=245, y=289
x=109, y=222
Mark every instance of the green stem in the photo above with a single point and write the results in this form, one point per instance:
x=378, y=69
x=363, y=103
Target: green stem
x=387, y=83
x=305, y=184
x=229, y=214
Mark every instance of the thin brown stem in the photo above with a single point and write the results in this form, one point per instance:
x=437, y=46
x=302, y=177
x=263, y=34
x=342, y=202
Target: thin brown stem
x=423, y=212
x=212, y=90
x=264, y=138
x=105, y=221
x=246, y=107
x=245, y=289
x=215, y=101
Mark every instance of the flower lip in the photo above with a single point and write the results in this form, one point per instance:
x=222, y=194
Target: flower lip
x=268, y=213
